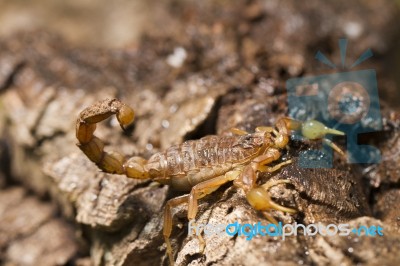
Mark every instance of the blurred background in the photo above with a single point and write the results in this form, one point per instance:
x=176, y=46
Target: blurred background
x=86, y=22
x=121, y=23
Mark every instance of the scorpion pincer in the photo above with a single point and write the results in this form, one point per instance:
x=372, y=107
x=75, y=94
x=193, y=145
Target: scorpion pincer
x=200, y=166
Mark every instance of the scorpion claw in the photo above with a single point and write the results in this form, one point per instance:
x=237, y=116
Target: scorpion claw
x=314, y=130
x=260, y=200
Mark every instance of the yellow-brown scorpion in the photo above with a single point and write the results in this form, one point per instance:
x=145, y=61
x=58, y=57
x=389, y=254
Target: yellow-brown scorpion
x=200, y=166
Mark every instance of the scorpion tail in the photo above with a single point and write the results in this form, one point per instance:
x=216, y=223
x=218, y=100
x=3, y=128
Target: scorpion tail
x=93, y=147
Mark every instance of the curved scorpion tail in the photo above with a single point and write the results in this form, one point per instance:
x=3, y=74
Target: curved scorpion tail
x=93, y=147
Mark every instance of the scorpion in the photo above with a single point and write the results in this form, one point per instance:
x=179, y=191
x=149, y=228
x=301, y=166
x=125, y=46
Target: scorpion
x=200, y=166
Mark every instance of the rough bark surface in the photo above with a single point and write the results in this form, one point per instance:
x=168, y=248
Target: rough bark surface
x=56, y=207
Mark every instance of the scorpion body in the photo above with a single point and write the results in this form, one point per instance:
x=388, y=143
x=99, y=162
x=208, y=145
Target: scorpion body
x=200, y=166
x=185, y=165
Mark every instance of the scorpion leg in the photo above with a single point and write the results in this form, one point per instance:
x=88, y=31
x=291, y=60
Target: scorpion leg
x=93, y=147
x=198, y=191
x=248, y=177
x=168, y=222
x=265, y=129
x=238, y=131
x=271, y=155
x=204, y=188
